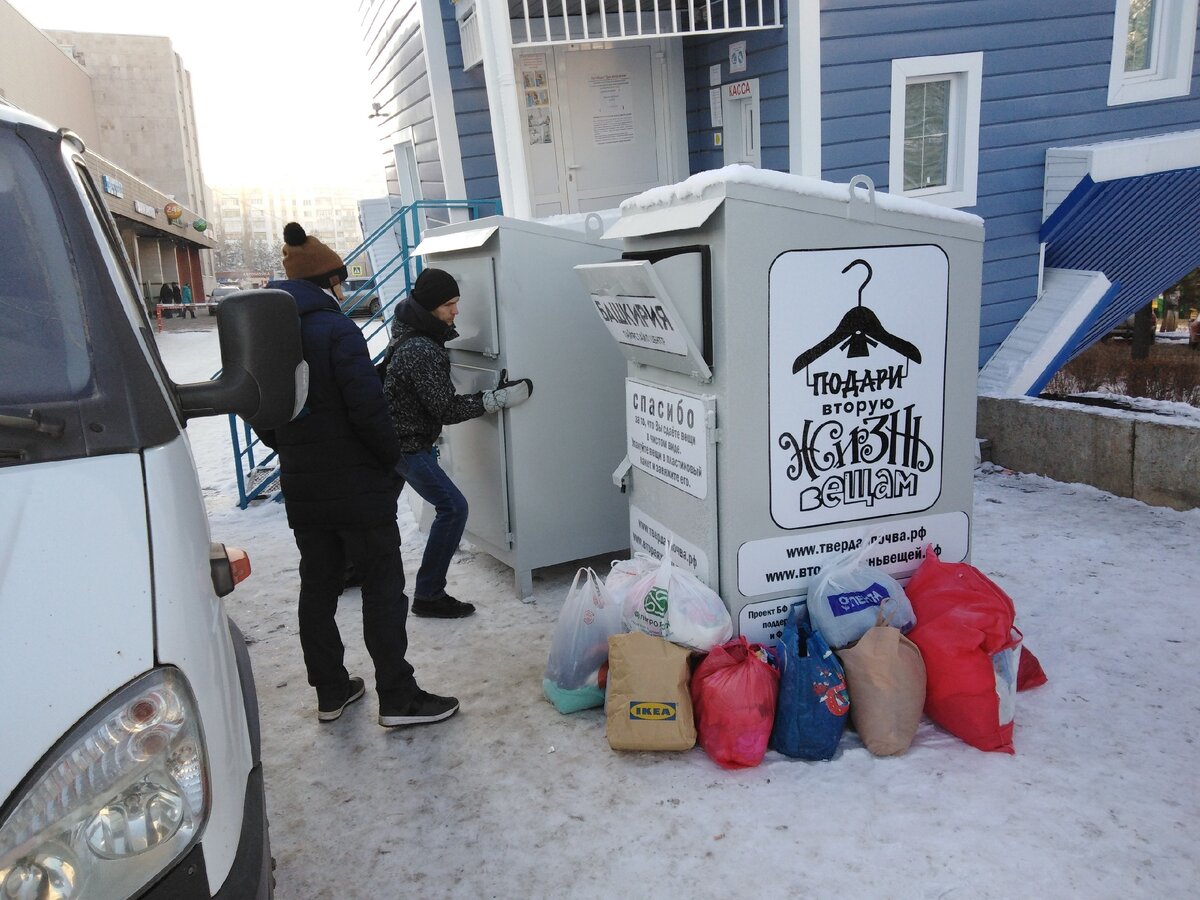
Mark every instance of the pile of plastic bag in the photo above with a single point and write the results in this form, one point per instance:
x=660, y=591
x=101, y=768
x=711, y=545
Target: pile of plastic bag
x=652, y=644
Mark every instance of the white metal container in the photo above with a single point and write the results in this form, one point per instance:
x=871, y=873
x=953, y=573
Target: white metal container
x=801, y=379
x=537, y=476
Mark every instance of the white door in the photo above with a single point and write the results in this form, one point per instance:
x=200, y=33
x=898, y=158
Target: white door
x=743, y=128
x=410, y=182
x=614, y=134
x=599, y=127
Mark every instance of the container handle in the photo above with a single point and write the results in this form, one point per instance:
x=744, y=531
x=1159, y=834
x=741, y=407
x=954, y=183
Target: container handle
x=859, y=207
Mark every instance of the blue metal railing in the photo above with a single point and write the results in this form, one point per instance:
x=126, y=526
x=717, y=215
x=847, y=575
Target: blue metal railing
x=256, y=479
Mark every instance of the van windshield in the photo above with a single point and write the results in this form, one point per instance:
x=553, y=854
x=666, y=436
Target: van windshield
x=43, y=341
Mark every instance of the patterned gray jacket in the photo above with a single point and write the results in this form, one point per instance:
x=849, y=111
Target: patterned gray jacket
x=420, y=394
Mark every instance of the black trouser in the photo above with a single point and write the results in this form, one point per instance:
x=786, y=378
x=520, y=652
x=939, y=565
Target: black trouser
x=375, y=553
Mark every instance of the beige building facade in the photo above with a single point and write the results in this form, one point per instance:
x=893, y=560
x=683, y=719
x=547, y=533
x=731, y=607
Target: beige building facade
x=143, y=100
x=143, y=162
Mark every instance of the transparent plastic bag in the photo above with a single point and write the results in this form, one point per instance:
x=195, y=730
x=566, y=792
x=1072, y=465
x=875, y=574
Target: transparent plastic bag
x=579, y=647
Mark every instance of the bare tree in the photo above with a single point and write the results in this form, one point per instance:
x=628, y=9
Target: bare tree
x=230, y=256
x=1143, y=332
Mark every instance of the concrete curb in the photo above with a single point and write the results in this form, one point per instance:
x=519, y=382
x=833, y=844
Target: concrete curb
x=1145, y=456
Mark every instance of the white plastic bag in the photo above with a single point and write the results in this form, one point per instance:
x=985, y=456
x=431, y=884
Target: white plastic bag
x=624, y=576
x=672, y=603
x=847, y=596
x=579, y=647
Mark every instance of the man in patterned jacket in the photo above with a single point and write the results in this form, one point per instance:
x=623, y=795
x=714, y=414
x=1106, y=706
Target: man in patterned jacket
x=422, y=399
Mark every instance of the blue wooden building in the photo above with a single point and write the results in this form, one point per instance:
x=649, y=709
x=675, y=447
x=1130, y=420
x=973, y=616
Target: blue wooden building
x=1072, y=128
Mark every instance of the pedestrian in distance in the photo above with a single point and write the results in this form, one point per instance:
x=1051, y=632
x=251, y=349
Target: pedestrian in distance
x=337, y=461
x=165, y=298
x=187, y=302
x=422, y=400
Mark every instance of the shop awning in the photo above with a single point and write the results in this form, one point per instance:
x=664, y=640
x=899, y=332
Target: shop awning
x=1130, y=218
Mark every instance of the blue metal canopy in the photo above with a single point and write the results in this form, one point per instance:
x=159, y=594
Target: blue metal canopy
x=1142, y=232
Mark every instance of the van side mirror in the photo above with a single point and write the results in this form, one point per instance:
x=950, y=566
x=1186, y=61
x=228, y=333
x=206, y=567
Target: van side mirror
x=264, y=378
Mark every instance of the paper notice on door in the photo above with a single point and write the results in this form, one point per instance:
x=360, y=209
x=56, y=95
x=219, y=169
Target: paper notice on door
x=612, y=105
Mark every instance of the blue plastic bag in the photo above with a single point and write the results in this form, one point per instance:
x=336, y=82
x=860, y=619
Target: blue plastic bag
x=813, y=700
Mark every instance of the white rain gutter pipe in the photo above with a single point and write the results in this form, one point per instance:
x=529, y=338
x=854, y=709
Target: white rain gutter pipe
x=505, y=112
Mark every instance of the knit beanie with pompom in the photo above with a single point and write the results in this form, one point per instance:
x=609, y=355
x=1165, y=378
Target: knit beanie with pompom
x=307, y=258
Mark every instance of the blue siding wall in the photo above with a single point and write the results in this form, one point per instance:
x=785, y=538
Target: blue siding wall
x=471, y=116
x=766, y=60
x=1045, y=84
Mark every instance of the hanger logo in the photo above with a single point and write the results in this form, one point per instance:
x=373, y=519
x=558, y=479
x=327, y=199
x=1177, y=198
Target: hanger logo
x=859, y=331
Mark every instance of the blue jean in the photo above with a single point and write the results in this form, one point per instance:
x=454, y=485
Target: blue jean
x=422, y=472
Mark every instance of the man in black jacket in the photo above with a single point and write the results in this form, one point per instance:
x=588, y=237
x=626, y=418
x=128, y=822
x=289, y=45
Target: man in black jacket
x=337, y=460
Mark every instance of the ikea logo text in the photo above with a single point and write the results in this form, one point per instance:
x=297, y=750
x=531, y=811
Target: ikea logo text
x=652, y=711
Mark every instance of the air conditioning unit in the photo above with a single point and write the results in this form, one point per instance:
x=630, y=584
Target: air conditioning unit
x=468, y=33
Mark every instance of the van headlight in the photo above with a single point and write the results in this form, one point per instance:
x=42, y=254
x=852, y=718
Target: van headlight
x=119, y=799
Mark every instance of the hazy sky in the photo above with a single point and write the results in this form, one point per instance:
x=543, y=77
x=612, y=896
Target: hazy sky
x=281, y=88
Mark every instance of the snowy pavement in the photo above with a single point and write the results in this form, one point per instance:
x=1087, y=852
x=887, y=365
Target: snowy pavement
x=511, y=799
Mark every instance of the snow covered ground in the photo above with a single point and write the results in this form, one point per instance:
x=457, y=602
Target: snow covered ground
x=511, y=799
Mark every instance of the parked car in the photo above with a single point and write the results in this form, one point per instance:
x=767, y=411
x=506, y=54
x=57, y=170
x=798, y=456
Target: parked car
x=219, y=293
x=130, y=761
x=362, y=297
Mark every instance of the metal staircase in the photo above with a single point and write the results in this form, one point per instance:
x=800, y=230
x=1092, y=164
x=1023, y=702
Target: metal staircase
x=255, y=465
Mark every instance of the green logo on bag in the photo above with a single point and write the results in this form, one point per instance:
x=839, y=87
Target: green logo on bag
x=652, y=711
x=656, y=601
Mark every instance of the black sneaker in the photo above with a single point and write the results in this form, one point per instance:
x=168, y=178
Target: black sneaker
x=422, y=709
x=443, y=607
x=331, y=703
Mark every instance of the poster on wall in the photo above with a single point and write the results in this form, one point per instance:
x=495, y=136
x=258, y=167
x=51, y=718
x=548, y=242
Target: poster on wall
x=537, y=100
x=856, y=378
x=612, y=108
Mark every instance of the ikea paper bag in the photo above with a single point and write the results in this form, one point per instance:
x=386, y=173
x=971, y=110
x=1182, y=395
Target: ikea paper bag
x=648, y=705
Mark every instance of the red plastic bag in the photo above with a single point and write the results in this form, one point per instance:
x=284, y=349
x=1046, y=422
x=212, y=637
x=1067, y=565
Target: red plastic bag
x=965, y=632
x=1029, y=672
x=734, y=691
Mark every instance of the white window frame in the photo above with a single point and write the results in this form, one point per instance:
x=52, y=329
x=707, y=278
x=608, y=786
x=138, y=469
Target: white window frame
x=965, y=72
x=1174, y=31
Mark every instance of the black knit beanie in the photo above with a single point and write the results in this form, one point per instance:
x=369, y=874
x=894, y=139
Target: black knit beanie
x=433, y=288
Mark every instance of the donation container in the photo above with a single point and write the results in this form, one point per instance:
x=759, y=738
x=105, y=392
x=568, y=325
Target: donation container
x=801, y=363
x=537, y=477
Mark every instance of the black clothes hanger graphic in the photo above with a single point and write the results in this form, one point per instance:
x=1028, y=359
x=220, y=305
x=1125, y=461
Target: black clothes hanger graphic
x=859, y=331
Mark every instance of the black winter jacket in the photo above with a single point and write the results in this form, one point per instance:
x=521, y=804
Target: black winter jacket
x=337, y=457
x=420, y=394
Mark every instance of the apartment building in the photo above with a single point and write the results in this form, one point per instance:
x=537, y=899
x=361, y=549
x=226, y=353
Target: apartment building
x=249, y=222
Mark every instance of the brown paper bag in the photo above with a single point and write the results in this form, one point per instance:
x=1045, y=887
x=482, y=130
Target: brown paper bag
x=648, y=705
x=886, y=679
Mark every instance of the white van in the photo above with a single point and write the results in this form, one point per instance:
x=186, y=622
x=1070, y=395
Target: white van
x=129, y=746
